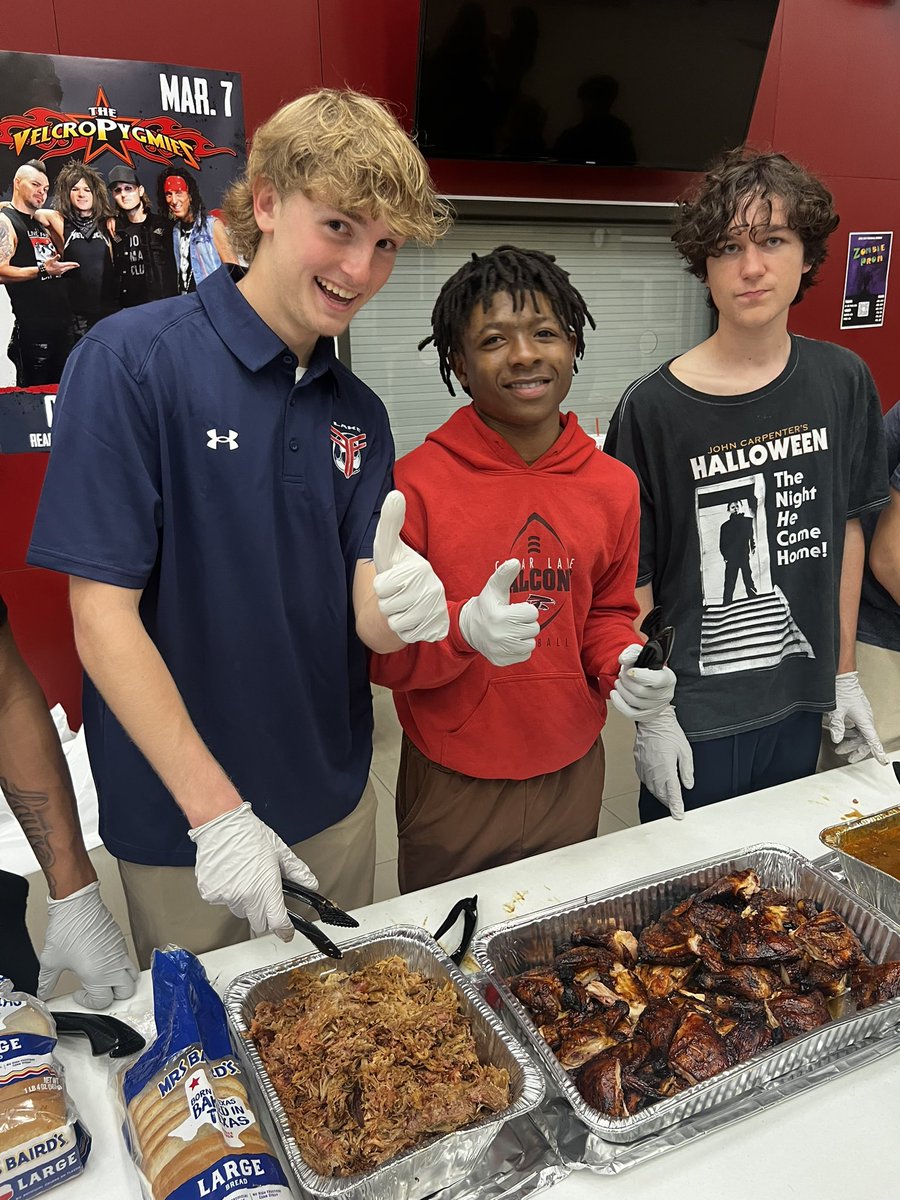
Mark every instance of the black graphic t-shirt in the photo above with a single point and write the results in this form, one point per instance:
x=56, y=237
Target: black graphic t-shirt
x=744, y=503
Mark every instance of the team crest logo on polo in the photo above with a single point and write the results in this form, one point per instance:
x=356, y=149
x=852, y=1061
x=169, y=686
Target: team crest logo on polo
x=545, y=579
x=347, y=445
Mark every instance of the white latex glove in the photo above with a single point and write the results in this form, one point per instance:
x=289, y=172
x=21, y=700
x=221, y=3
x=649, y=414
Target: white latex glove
x=664, y=760
x=853, y=711
x=504, y=633
x=240, y=862
x=83, y=937
x=410, y=596
x=640, y=692
x=853, y=746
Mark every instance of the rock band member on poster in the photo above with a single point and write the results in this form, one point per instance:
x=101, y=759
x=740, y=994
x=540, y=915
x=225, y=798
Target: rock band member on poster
x=199, y=239
x=32, y=268
x=82, y=219
x=142, y=245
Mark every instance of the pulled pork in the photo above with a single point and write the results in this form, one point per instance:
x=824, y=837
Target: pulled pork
x=371, y=1063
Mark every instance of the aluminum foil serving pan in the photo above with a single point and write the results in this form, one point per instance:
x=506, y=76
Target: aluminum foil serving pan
x=514, y=946
x=872, y=884
x=441, y=1160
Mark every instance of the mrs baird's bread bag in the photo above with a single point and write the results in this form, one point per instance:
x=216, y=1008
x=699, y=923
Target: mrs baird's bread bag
x=42, y=1142
x=188, y=1121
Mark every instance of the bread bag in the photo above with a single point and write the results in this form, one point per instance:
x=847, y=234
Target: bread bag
x=42, y=1142
x=188, y=1120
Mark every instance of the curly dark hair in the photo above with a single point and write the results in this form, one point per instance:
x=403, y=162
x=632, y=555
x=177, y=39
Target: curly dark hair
x=516, y=272
x=198, y=208
x=733, y=183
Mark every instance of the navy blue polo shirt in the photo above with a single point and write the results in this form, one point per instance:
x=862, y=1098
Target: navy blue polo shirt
x=188, y=462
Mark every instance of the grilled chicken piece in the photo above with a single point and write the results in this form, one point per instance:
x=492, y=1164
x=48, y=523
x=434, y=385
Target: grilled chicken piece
x=713, y=921
x=608, y=999
x=828, y=939
x=657, y=1023
x=604, y=1081
x=794, y=974
x=798, y=1014
x=759, y=939
x=709, y=956
x=873, y=983
x=584, y=963
x=621, y=943
x=541, y=991
x=778, y=911
x=628, y=985
x=697, y=1051
x=578, y=967
x=830, y=980
x=738, y=1006
x=755, y=983
x=746, y=1039
x=585, y=1039
x=739, y=886
x=660, y=982
x=666, y=941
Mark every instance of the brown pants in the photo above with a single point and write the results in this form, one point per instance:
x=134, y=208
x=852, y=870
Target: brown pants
x=165, y=907
x=450, y=825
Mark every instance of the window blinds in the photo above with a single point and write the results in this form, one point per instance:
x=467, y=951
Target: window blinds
x=646, y=306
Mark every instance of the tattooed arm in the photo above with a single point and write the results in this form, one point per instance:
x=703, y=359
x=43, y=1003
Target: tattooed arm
x=35, y=778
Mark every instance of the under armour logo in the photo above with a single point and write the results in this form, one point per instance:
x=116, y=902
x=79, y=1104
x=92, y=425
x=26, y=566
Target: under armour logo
x=217, y=439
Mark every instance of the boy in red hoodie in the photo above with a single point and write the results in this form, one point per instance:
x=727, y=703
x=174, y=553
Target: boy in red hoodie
x=501, y=755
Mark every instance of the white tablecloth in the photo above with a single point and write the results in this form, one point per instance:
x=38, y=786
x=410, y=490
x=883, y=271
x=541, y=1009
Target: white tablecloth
x=834, y=1141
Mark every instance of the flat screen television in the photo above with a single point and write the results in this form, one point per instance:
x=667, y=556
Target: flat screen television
x=647, y=83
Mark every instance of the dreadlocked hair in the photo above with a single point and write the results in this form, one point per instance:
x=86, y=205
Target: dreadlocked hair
x=517, y=272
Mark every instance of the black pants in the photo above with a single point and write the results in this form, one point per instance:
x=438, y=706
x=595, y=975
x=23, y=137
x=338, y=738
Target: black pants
x=39, y=355
x=746, y=762
x=18, y=961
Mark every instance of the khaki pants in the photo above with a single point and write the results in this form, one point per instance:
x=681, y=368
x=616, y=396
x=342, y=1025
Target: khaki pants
x=879, y=677
x=165, y=907
x=450, y=825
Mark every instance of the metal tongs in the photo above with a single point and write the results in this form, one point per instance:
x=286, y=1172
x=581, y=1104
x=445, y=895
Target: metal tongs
x=328, y=912
x=660, y=639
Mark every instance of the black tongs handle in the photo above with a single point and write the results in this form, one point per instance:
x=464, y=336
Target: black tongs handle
x=106, y=1034
x=469, y=906
x=327, y=909
x=317, y=936
x=660, y=639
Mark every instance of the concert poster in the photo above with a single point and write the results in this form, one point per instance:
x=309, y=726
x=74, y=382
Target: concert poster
x=866, y=280
x=149, y=150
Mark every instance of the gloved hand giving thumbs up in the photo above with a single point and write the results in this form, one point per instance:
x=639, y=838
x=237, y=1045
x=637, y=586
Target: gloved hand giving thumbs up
x=504, y=633
x=410, y=596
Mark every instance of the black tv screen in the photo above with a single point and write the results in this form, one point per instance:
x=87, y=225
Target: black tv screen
x=648, y=83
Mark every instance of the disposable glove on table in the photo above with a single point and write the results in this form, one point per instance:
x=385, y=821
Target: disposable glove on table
x=82, y=937
x=641, y=692
x=853, y=713
x=410, y=596
x=664, y=760
x=504, y=633
x=240, y=863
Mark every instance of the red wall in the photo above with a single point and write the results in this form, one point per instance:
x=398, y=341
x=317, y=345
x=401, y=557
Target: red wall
x=828, y=97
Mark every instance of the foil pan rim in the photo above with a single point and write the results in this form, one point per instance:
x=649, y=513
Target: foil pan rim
x=396, y=1168
x=662, y=1114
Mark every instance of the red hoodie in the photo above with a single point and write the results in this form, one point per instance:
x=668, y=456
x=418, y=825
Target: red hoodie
x=572, y=520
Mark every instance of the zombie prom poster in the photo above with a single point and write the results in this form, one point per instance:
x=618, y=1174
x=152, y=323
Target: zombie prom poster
x=112, y=174
x=866, y=280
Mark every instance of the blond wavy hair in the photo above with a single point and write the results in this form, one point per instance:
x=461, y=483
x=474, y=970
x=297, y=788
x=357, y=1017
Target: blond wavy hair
x=341, y=148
